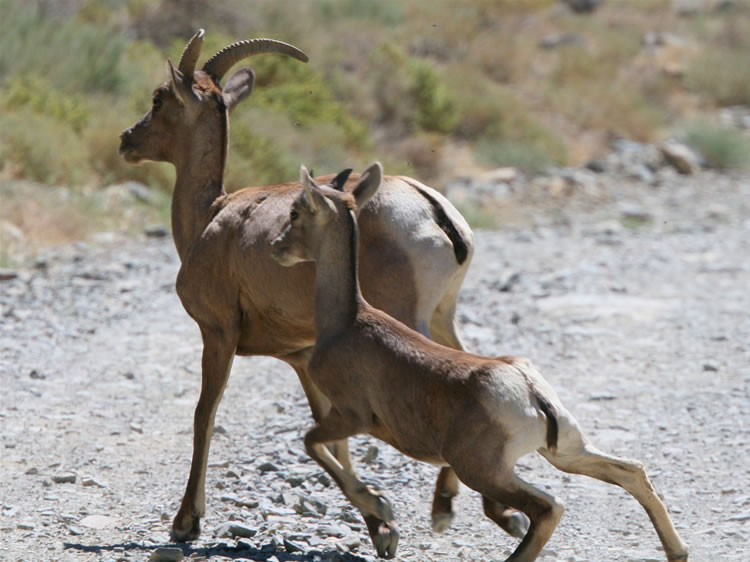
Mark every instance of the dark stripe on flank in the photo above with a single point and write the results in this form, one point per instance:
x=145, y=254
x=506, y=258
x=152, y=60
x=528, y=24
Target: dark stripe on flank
x=460, y=247
x=552, y=428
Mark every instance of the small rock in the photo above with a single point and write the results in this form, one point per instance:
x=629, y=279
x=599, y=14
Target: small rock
x=75, y=531
x=292, y=546
x=88, y=481
x=156, y=231
x=371, y=454
x=135, y=427
x=350, y=542
x=167, y=554
x=710, y=366
x=65, y=478
x=98, y=521
x=26, y=526
x=7, y=274
x=268, y=467
x=681, y=157
x=601, y=396
x=555, y=40
x=240, y=530
x=633, y=212
x=32, y=471
x=295, y=480
x=36, y=375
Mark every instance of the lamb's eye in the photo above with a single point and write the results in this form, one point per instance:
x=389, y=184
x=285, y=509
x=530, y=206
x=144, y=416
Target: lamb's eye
x=156, y=104
x=293, y=215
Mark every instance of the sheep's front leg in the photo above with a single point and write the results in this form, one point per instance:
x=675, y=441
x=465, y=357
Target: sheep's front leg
x=375, y=508
x=218, y=352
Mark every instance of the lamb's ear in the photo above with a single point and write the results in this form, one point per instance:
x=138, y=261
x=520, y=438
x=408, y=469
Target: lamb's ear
x=369, y=182
x=238, y=87
x=312, y=197
x=340, y=180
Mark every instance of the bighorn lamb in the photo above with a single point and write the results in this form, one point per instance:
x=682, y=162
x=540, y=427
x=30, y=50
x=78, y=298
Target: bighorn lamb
x=475, y=414
x=416, y=250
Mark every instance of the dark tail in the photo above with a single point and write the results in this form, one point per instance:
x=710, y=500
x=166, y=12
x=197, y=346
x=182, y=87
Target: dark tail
x=552, y=427
x=460, y=246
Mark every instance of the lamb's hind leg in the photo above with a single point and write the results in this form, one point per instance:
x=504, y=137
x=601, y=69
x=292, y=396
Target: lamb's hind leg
x=375, y=508
x=507, y=489
x=444, y=330
x=628, y=474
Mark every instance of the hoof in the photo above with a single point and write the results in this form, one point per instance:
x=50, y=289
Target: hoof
x=386, y=540
x=518, y=525
x=185, y=530
x=441, y=521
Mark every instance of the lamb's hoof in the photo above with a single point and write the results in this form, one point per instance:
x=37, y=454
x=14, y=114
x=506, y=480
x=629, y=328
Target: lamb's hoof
x=517, y=525
x=384, y=536
x=678, y=556
x=441, y=521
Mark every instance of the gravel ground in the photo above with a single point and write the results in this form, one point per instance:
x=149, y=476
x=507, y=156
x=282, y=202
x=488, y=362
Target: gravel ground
x=643, y=330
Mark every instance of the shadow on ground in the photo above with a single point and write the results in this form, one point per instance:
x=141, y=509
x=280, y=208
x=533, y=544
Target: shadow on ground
x=260, y=555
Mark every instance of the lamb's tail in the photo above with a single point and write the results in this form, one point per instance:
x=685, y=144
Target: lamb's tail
x=552, y=426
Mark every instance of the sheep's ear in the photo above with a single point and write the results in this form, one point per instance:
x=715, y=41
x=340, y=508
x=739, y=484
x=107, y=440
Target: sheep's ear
x=182, y=90
x=238, y=87
x=369, y=182
x=340, y=180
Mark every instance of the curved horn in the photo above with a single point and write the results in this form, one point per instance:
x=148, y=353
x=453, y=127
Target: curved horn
x=218, y=65
x=190, y=54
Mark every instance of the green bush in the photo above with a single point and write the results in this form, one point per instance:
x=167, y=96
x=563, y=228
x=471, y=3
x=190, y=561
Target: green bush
x=387, y=12
x=70, y=55
x=721, y=75
x=523, y=155
x=410, y=93
x=723, y=148
x=43, y=149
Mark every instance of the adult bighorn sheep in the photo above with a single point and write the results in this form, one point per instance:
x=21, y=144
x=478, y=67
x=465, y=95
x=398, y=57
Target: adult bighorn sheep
x=416, y=250
x=475, y=414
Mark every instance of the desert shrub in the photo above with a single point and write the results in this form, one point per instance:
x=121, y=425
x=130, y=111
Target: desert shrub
x=721, y=75
x=36, y=94
x=257, y=159
x=291, y=88
x=72, y=56
x=386, y=12
x=410, y=93
x=521, y=154
x=40, y=148
x=722, y=148
x=436, y=109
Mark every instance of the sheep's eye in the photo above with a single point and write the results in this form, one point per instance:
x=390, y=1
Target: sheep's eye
x=157, y=104
x=293, y=215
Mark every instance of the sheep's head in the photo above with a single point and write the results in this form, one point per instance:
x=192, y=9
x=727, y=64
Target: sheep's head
x=193, y=102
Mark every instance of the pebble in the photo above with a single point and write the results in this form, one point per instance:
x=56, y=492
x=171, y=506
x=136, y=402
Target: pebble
x=25, y=526
x=65, y=478
x=88, y=481
x=167, y=554
x=240, y=530
x=7, y=274
x=98, y=521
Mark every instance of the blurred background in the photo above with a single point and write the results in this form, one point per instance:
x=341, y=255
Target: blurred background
x=442, y=90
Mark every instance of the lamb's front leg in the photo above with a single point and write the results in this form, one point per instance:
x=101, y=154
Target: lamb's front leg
x=375, y=508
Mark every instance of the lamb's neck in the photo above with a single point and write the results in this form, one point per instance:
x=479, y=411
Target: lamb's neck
x=338, y=298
